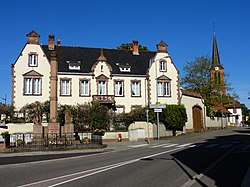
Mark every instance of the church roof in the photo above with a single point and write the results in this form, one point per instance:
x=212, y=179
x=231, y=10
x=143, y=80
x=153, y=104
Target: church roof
x=88, y=57
x=215, y=54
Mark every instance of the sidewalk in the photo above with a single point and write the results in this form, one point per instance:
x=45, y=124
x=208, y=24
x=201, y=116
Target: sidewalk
x=111, y=146
x=116, y=146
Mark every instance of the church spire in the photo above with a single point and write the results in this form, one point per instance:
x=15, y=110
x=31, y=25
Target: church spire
x=215, y=54
x=217, y=70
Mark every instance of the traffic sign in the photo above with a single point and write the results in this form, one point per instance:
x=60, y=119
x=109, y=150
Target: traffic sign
x=158, y=110
x=157, y=106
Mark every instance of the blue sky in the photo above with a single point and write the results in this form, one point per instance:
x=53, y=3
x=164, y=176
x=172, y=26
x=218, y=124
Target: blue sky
x=186, y=26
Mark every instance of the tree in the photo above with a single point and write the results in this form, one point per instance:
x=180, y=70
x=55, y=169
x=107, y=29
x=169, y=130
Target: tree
x=123, y=120
x=127, y=46
x=175, y=117
x=82, y=117
x=33, y=112
x=197, y=78
x=46, y=109
x=99, y=117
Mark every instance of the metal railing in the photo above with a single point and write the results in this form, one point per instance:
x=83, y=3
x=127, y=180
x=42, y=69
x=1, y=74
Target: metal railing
x=30, y=140
x=104, y=98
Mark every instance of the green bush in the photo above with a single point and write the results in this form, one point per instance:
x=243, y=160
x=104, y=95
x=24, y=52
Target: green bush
x=100, y=132
x=19, y=142
x=5, y=134
x=175, y=117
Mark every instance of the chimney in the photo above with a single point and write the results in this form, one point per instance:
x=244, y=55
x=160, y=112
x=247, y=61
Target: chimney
x=135, y=47
x=33, y=37
x=162, y=47
x=51, y=42
x=58, y=42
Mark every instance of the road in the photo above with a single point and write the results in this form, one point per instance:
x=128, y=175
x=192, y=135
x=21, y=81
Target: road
x=215, y=158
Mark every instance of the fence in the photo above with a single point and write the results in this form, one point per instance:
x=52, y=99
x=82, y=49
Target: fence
x=53, y=140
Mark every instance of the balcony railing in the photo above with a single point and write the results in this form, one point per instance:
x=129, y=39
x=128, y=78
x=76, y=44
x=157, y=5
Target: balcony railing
x=109, y=99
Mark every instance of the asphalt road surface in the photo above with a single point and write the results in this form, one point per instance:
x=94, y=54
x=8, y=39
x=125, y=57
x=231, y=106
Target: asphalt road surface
x=215, y=158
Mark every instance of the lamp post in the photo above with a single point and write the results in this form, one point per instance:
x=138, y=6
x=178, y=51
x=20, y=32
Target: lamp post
x=147, y=126
x=221, y=111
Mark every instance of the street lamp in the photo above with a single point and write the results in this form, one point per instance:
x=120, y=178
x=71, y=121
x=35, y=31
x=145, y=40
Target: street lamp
x=147, y=126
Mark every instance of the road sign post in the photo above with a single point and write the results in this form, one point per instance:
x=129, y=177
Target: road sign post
x=157, y=108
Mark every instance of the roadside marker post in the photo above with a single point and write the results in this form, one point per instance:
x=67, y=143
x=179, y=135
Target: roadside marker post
x=157, y=108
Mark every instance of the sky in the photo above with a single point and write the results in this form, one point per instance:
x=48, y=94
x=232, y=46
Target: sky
x=187, y=27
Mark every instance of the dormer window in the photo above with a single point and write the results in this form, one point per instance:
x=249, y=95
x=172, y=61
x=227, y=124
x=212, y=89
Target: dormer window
x=74, y=65
x=124, y=68
x=163, y=66
x=33, y=60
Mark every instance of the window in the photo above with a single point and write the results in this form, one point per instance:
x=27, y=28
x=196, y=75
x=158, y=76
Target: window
x=65, y=87
x=163, y=66
x=119, y=88
x=28, y=86
x=125, y=69
x=163, y=88
x=84, y=87
x=74, y=65
x=120, y=109
x=32, y=86
x=101, y=87
x=37, y=86
x=33, y=60
x=135, y=88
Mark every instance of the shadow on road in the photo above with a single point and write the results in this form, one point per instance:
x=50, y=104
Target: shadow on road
x=223, y=160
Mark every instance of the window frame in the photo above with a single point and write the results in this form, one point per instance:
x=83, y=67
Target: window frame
x=165, y=90
x=32, y=86
x=80, y=88
x=29, y=59
x=105, y=86
x=139, y=88
x=70, y=87
x=122, y=87
x=163, y=63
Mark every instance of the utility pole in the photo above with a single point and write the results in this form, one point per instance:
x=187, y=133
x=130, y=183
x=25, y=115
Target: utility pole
x=221, y=111
x=148, y=126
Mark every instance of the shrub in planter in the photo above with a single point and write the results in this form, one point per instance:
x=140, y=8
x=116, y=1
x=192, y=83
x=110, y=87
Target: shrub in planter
x=19, y=142
x=85, y=140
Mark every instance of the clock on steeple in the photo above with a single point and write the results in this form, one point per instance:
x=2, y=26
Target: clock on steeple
x=216, y=70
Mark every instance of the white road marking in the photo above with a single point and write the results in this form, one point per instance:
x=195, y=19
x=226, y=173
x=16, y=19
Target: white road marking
x=160, y=145
x=184, y=145
x=192, y=146
x=75, y=176
x=192, y=181
x=141, y=145
x=171, y=145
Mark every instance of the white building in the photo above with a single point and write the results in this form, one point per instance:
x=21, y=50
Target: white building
x=119, y=78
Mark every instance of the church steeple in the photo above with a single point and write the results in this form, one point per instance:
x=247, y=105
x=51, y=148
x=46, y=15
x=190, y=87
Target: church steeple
x=215, y=55
x=217, y=70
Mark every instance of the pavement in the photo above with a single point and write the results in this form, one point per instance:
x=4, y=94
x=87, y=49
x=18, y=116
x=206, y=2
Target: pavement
x=22, y=157
x=111, y=146
x=34, y=156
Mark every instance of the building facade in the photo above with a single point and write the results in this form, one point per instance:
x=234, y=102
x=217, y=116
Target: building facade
x=121, y=79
